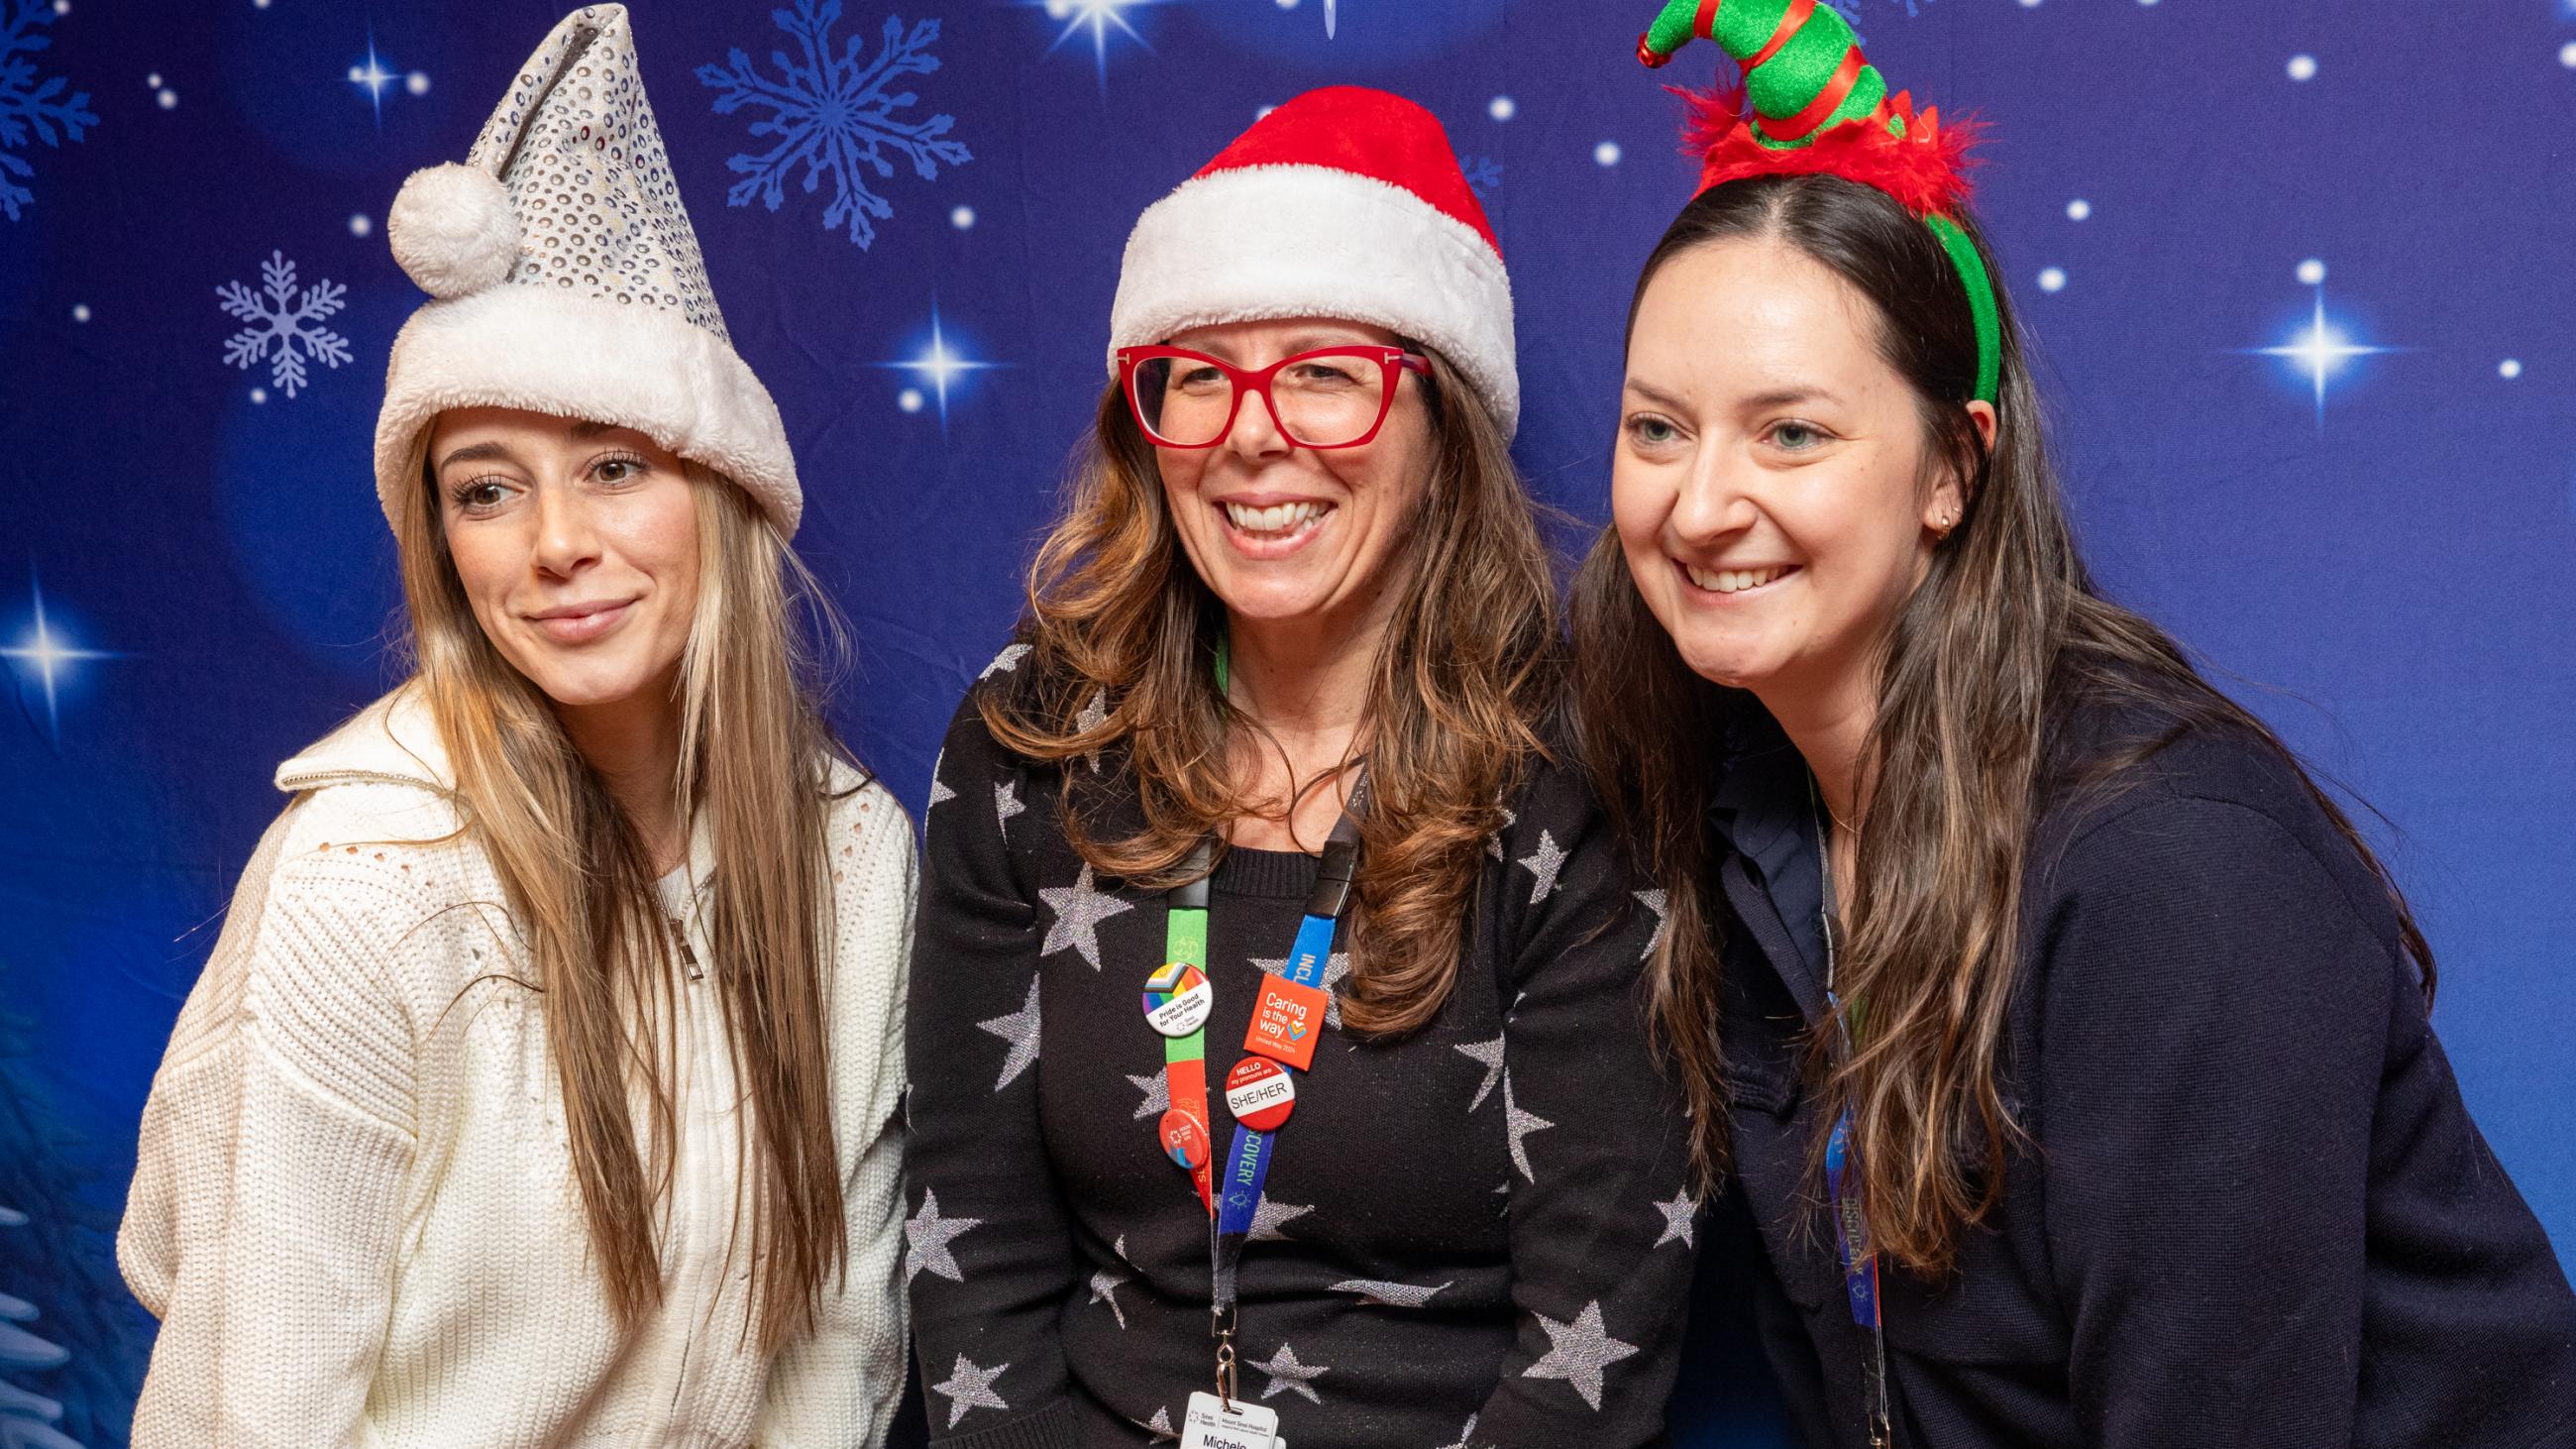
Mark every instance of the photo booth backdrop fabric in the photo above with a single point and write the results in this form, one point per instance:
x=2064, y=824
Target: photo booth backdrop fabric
x=2298, y=275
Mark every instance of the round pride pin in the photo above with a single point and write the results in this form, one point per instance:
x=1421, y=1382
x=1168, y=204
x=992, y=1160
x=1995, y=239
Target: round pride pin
x=1260, y=1093
x=1178, y=999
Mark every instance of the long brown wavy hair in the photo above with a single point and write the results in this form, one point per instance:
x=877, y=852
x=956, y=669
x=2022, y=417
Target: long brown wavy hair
x=754, y=766
x=1123, y=632
x=2003, y=641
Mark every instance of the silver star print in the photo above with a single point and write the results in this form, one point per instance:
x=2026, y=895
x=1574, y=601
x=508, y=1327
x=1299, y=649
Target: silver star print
x=1006, y=802
x=1656, y=901
x=1104, y=1286
x=1006, y=661
x=1517, y=1125
x=1677, y=1219
x=1390, y=1295
x=926, y=1236
x=939, y=791
x=1491, y=1054
x=1020, y=1029
x=1287, y=1376
x=1094, y=714
x=1079, y=910
x=1336, y=966
x=1158, y=1095
x=1543, y=863
x=1578, y=1352
x=1494, y=842
x=1268, y=1218
x=1466, y=1436
x=1161, y=1425
x=969, y=1387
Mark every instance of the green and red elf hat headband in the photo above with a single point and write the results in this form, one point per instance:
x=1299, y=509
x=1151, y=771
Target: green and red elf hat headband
x=1820, y=108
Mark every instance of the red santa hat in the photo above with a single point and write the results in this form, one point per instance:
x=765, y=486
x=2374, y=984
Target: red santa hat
x=1345, y=203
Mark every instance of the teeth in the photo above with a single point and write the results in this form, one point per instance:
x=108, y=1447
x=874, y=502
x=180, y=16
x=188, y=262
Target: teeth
x=1277, y=518
x=1732, y=581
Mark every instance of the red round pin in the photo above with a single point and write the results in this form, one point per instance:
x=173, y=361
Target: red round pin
x=1260, y=1093
x=1185, y=1139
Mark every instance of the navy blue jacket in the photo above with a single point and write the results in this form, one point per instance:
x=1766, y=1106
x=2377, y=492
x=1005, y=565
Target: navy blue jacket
x=2254, y=1210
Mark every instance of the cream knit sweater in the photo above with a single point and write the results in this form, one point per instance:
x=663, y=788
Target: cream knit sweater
x=353, y=1206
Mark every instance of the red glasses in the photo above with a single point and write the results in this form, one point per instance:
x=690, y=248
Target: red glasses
x=1332, y=397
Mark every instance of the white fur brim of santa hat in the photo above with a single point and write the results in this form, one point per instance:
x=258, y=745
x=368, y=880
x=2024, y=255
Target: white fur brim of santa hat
x=1280, y=238
x=575, y=356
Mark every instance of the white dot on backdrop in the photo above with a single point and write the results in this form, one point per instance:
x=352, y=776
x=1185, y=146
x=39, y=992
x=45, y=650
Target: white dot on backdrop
x=359, y=225
x=1502, y=108
x=80, y=311
x=1058, y=9
x=152, y=82
x=1607, y=153
x=62, y=7
x=258, y=4
x=1287, y=4
x=2079, y=210
x=1264, y=113
x=417, y=83
x=2303, y=67
x=2567, y=55
x=168, y=99
x=909, y=400
x=2029, y=4
x=259, y=394
x=2509, y=369
x=2312, y=272
x=962, y=218
x=2053, y=279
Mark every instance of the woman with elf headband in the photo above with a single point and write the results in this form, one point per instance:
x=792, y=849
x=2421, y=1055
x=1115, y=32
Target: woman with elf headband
x=1273, y=977
x=541, y=1088
x=2062, y=1041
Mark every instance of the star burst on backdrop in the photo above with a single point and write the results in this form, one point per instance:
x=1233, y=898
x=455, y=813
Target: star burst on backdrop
x=50, y=658
x=940, y=366
x=2321, y=350
x=1095, y=18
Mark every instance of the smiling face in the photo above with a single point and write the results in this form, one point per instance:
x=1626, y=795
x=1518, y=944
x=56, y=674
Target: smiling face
x=577, y=545
x=1771, y=489
x=1283, y=533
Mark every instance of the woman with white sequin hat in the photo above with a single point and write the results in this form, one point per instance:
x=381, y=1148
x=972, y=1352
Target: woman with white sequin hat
x=541, y=1087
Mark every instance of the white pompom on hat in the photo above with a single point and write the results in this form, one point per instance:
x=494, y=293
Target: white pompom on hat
x=567, y=280
x=1346, y=203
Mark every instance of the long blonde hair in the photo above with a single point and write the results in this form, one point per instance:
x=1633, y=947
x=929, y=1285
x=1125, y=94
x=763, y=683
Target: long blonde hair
x=754, y=764
x=1117, y=616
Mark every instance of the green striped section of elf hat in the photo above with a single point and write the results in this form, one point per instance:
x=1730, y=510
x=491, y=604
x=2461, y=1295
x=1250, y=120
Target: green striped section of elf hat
x=1803, y=67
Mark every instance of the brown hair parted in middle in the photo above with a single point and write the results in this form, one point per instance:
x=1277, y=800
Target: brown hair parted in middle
x=1123, y=635
x=1987, y=661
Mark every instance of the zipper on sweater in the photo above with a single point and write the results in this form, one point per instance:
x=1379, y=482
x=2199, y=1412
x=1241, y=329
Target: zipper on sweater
x=692, y=1213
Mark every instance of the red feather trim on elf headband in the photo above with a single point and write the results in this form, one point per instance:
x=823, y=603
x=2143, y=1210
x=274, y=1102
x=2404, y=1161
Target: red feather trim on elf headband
x=1926, y=168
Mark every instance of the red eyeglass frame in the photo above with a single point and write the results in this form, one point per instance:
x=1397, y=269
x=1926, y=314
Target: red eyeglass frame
x=1394, y=360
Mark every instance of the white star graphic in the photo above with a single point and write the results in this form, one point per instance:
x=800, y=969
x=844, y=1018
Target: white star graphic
x=1006, y=803
x=1079, y=910
x=1677, y=1219
x=49, y=657
x=926, y=1237
x=942, y=366
x=1020, y=1029
x=1491, y=1054
x=939, y=790
x=1006, y=661
x=1517, y=1125
x=1161, y=1425
x=1287, y=1376
x=1336, y=966
x=1466, y=1436
x=2321, y=349
x=1578, y=1352
x=1390, y=1295
x=1104, y=1287
x=1494, y=842
x=1656, y=901
x=1093, y=715
x=1270, y=1218
x=1158, y=1095
x=971, y=1388
x=1543, y=863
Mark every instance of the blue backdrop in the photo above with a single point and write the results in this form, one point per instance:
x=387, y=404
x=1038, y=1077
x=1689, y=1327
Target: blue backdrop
x=2299, y=274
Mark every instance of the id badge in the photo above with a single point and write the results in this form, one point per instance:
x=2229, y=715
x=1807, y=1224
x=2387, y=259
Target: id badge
x=1210, y=1425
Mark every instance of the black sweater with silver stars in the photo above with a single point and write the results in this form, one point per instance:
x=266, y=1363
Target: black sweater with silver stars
x=1479, y=1234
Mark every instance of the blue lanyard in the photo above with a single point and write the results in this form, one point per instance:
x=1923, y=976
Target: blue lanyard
x=1842, y=1170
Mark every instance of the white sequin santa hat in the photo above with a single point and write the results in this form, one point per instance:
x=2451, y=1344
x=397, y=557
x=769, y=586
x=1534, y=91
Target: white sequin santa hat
x=1345, y=203
x=567, y=280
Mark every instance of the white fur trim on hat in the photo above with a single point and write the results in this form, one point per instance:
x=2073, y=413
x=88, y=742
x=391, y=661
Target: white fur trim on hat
x=453, y=230
x=556, y=351
x=1265, y=242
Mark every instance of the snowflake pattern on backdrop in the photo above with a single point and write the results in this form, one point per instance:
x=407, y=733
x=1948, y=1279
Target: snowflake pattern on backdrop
x=284, y=327
x=1483, y=174
x=31, y=109
x=832, y=114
